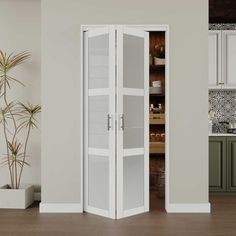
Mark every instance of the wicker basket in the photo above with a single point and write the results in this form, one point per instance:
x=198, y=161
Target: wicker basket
x=161, y=183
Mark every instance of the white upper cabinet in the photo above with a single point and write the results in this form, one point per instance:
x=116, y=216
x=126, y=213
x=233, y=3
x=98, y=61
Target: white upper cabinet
x=214, y=59
x=221, y=59
x=229, y=58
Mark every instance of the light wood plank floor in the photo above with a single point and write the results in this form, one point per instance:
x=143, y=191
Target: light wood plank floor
x=221, y=222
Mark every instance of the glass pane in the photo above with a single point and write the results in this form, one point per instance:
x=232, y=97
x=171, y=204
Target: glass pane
x=98, y=177
x=133, y=182
x=98, y=62
x=133, y=122
x=98, y=136
x=133, y=62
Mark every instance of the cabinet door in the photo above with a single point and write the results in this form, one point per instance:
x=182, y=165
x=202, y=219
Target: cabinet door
x=132, y=112
x=217, y=164
x=214, y=59
x=99, y=119
x=229, y=58
x=231, y=164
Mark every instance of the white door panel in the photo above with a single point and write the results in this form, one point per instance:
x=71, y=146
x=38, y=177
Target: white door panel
x=229, y=58
x=99, y=119
x=214, y=59
x=132, y=116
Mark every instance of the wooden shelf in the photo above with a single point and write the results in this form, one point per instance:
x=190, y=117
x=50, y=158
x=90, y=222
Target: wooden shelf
x=156, y=122
x=157, y=119
x=156, y=67
x=157, y=155
x=157, y=94
x=156, y=147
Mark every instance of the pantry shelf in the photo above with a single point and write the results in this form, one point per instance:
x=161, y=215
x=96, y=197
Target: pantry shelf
x=157, y=147
x=156, y=122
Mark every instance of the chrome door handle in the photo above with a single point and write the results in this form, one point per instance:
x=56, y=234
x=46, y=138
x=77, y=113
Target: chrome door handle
x=122, y=122
x=109, y=122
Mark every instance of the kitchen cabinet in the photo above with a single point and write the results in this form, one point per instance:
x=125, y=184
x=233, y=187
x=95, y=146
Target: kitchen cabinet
x=222, y=164
x=221, y=59
x=217, y=164
x=214, y=58
x=229, y=58
x=231, y=163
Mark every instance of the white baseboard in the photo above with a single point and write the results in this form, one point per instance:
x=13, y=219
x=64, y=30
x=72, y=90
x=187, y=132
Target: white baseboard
x=189, y=208
x=37, y=196
x=60, y=208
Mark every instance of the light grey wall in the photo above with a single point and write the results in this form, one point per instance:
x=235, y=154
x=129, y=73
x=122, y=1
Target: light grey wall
x=20, y=23
x=61, y=81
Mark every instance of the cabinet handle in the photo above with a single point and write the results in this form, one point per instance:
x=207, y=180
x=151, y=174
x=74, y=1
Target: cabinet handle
x=109, y=121
x=221, y=83
x=122, y=122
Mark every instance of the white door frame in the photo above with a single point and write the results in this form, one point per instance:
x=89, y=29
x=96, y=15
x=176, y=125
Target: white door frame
x=149, y=28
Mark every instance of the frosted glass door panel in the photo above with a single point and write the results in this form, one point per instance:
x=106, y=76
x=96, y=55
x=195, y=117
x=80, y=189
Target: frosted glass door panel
x=133, y=121
x=99, y=113
x=98, y=61
x=133, y=182
x=98, y=192
x=132, y=109
x=133, y=65
x=98, y=135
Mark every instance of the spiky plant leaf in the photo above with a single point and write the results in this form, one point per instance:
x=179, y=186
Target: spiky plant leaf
x=8, y=62
x=14, y=147
x=27, y=115
x=5, y=112
x=12, y=60
x=12, y=160
x=15, y=155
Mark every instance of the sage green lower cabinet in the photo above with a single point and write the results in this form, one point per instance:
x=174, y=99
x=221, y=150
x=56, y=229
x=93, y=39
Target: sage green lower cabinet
x=231, y=165
x=222, y=164
x=217, y=164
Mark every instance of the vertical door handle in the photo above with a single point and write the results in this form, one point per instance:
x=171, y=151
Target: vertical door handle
x=109, y=122
x=122, y=122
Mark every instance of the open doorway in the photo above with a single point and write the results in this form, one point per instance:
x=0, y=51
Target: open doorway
x=157, y=119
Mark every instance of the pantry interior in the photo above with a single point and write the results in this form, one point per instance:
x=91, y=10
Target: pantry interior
x=157, y=73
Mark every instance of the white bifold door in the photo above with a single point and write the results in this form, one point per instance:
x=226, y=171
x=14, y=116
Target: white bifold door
x=116, y=135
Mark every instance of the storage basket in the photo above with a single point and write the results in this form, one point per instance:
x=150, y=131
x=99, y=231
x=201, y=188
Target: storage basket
x=161, y=183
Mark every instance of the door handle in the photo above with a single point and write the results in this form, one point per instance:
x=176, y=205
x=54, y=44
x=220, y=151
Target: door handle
x=122, y=122
x=109, y=122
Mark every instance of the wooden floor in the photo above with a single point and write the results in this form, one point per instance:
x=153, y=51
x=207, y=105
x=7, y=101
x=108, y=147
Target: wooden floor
x=221, y=222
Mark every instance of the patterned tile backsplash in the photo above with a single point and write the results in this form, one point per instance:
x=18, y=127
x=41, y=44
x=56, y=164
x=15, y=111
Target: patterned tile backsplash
x=222, y=26
x=223, y=104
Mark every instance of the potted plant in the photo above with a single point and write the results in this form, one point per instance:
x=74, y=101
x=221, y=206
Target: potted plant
x=17, y=120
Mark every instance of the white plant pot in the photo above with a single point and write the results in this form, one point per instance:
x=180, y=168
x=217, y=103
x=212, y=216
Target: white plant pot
x=16, y=198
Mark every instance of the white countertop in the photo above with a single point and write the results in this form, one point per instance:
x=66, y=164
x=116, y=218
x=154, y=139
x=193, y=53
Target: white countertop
x=221, y=134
